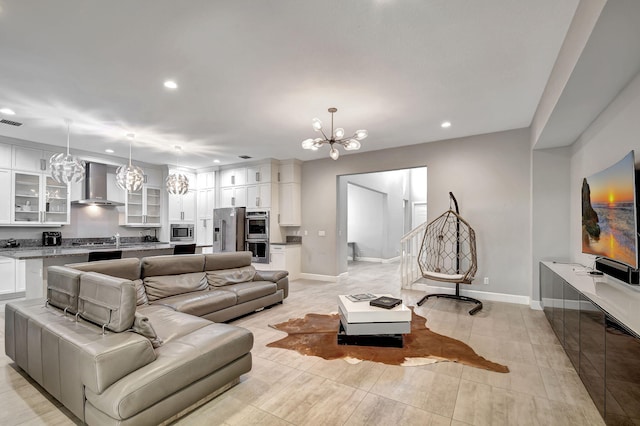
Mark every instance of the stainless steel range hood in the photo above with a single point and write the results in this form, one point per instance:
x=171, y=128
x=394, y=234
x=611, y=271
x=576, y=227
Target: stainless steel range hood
x=95, y=187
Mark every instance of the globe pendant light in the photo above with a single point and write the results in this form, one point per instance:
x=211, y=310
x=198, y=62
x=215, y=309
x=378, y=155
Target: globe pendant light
x=130, y=178
x=177, y=183
x=350, y=143
x=67, y=168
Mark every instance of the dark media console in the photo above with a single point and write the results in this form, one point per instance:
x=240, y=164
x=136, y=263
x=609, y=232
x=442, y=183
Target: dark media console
x=619, y=271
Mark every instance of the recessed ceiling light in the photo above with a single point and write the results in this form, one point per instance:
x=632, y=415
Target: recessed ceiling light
x=7, y=111
x=109, y=151
x=170, y=84
x=216, y=161
x=445, y=124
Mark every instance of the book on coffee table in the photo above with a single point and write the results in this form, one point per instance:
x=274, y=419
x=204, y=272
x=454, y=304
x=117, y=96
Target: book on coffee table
x=385, y=302
x=362, y=297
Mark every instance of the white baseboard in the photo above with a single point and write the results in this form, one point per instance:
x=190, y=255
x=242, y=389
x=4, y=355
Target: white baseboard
x=535, y=304
x=330, y=278
x=376, y=259
x=482, y=295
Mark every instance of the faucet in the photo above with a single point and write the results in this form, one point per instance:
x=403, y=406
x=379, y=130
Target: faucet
x=117, y=238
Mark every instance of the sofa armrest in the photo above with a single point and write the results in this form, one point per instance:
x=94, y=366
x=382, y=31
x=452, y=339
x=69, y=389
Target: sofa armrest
x=105, y=361
x=281, y=278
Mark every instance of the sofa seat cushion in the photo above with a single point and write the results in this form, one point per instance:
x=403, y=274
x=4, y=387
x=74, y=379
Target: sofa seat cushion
x=251, y=290
x=201, y=302
x=159, y=287
x=179, y=363
x=169, y=324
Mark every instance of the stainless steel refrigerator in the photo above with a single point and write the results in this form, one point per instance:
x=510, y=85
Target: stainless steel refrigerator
x=228, y=229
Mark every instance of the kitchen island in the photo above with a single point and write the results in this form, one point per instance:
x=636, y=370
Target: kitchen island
x=24, y=270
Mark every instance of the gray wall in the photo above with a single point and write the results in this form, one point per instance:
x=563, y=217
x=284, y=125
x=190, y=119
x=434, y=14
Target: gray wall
x=490, y=176
x=609, y=138
x=550, y=209
x=367, y=220
x=394, y=186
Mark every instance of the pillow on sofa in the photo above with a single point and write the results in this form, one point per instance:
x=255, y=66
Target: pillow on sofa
x=143, y=327
x=159, y=287
x=224, y=277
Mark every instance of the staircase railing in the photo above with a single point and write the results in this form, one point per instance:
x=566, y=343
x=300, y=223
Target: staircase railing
x=410, y=245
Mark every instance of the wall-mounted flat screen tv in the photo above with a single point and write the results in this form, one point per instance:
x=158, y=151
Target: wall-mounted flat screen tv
x=609, y=223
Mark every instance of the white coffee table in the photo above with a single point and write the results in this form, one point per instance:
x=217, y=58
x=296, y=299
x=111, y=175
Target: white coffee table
x=372, y=326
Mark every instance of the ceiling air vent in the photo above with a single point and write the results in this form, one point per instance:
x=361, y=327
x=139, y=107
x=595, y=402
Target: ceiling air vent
x=11, y=123
x=244, y=157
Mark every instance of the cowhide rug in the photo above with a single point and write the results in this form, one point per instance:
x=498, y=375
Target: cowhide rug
x=316, y=334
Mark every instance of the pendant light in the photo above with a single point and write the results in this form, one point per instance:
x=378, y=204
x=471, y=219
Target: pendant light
x=130, y=178
x=67, y=168
x=177, y=183
x=351, y=143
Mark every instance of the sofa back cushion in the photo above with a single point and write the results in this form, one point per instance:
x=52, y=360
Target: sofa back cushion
x=224, y=277
x=159, y=287
x=63, y=287
x=171, y=265
x=107, y=301
x=232, y=260
x=128, y=268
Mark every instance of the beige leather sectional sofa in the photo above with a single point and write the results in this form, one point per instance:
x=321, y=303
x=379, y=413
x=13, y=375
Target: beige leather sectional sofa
x=132, y=342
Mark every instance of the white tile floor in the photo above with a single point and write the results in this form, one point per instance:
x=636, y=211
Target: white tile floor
x=286, y=388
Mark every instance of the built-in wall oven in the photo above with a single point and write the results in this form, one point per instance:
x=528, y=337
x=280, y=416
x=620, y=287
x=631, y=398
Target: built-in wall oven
x=259, y=250
x=181, y=232
x=257, y=235
x=257, y=225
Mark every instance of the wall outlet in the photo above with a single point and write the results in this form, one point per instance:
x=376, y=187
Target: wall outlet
x=321, y=233
x=486, y=281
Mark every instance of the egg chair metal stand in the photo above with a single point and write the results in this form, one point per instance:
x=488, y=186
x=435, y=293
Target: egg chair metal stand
x=448, y=254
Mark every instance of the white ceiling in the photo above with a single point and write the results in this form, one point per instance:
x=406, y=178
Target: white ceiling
x=252, y=74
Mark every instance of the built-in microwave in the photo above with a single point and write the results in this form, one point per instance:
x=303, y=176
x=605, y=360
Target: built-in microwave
x=181, y=232
x=257, y=225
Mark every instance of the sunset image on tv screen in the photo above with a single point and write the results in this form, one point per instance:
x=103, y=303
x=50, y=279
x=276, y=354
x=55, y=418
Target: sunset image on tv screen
x=609, y=213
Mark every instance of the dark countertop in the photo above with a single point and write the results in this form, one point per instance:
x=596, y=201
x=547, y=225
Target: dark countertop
x=59, y=251
x=288, y=243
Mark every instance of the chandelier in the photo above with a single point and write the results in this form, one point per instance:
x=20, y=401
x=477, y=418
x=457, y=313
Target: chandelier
x=350, y=143
x=176, y=182
x=130, y=178
x=67, y=168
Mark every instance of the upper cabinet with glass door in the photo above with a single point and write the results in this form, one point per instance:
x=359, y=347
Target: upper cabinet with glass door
x=38, y=199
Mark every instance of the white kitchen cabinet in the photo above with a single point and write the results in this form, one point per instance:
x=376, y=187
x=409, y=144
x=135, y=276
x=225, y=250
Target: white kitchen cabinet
x=182, y=208
x=260, y=173
x=204, y=221
x=37, y=199
x=259, y=195
x=153, y=177
x=30, y=159
x=5, y=196
x=233, y=177
x=206, y=202
x=142, y=208
x=206, y=180
x=290, y=172
x=233, y=197
x=286, y=258
x=5, y=156
x=8, y=274
x=290, y=208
